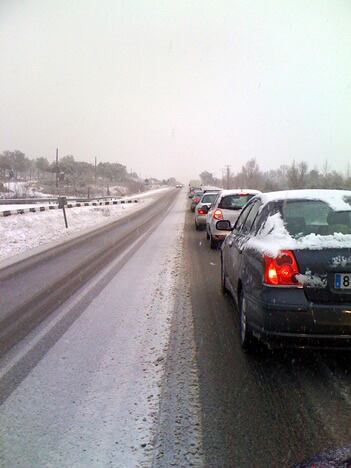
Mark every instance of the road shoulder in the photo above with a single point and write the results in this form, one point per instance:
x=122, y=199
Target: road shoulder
x=179, y=434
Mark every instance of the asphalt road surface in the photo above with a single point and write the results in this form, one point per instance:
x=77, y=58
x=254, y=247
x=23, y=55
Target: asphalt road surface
x=83, y=388
x=142, y=366
x=32, y=288
x=272, y=410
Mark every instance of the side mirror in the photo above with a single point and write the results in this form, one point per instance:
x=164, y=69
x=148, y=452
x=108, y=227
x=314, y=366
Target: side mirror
x=224, y=225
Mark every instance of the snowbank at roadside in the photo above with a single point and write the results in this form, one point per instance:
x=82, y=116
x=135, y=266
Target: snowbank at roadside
x=20, y=233
x=23, y=189
x=23, y=232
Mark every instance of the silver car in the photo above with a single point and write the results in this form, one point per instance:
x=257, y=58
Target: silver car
x=202, y=208
x=228, y=206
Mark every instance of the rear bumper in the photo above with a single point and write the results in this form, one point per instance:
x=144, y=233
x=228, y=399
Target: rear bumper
x=300, y=340
x=301, y=323
x=219, y=237
x=200, y=219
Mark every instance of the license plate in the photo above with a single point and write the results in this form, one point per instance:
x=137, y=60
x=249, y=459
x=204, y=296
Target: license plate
x=342, y=281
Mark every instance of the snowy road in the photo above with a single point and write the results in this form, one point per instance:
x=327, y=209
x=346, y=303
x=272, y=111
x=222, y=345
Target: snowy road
x=95, y=367
x=31, y=288
x=143, y=367
x=269, y=410
x=20, y=233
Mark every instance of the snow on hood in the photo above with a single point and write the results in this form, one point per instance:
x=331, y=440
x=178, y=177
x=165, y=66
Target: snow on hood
x=273, y=237
x=338, y=200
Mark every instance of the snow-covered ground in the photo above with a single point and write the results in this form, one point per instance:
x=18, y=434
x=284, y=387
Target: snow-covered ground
x=20, y=233
x=23, y=189
x=23, y=206
x=93, y=398
x=142, y=195
x=150, y=192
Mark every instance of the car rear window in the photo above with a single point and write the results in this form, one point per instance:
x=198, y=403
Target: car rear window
x=234, y=202
x=303, y=217
x=209, y=198
x=197, y=194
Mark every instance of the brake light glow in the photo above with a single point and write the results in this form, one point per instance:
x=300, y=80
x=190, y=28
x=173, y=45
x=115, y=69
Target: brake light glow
x=196, y=199
x=217, y=214
x=281, y=270
x=200, y=211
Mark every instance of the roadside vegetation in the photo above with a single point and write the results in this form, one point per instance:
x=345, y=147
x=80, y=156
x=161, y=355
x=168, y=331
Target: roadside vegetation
x=21, y=176
x=293, y=176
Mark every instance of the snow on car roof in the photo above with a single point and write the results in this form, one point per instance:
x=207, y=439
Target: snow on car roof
x=238, y=191
x=274, y=237
x=338, y=200
x=210, y=192
x=210, y=187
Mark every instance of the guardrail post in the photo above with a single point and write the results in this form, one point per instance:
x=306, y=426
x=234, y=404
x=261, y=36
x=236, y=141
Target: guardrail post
x=62, y=201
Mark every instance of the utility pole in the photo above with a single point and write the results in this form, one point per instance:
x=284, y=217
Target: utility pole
x=57, y=168
x=227, y=172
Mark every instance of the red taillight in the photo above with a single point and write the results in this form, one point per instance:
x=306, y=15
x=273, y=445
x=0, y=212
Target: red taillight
x=281, y=270
x=200, y=211
x=217, y=214
x=196, y=199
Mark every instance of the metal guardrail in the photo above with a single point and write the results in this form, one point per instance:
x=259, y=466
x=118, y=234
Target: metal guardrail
x=30, y=201
x=96, y=202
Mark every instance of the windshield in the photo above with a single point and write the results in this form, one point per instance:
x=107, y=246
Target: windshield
x=209, y=198
x=234, y=202
x=303, y=217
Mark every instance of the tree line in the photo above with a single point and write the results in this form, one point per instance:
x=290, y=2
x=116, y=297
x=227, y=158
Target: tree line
x=74, y=177
x=16, y=165
x=293, y=176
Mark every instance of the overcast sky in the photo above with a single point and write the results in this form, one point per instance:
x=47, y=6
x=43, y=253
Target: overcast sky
x=173, y=87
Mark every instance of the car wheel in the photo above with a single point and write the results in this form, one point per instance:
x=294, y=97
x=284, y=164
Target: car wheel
x=207, y=234
x=213, y=243
x=223, y=280
x=247, y=341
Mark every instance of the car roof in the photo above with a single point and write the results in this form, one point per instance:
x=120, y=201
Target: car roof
x=238, y=191
x=209, y=187
x=210, y=192
x=339, y=200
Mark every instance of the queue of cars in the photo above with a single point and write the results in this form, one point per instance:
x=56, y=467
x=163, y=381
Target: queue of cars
x=286, y=261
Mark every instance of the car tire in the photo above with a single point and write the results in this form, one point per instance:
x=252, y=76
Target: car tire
x=207, y=234
x=247, y=341
x=213, y=243
x=224, y=288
